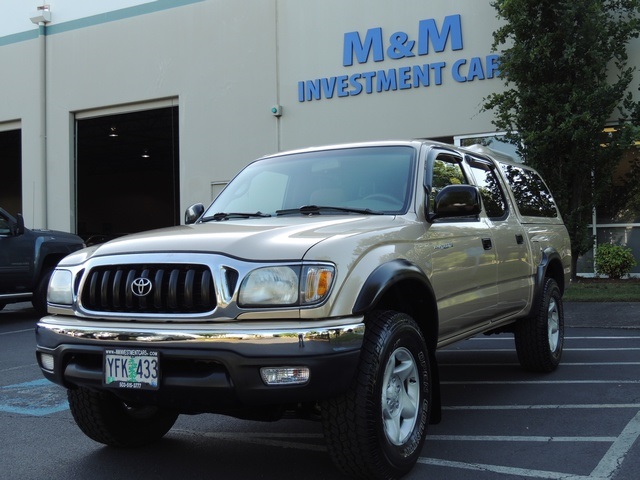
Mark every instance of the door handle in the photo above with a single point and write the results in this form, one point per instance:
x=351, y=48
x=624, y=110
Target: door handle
x=519, y=239
x=486, y=244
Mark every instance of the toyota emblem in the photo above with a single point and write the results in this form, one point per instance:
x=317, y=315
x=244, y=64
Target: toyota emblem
x=141, y=287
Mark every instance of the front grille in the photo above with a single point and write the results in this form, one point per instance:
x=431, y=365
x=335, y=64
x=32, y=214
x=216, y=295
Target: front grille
x=174, y=289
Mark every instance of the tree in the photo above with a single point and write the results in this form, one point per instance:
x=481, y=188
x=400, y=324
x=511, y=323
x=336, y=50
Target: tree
x=566, y=74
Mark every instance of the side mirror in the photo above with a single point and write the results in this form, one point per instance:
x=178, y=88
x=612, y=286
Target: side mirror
x=193, y=213
x=17, y=228
x=20, y=226
x=456, y=201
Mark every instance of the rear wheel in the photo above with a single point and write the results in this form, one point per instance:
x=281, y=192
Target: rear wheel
x=106, y=419
x=377, y=429
x=540, y=337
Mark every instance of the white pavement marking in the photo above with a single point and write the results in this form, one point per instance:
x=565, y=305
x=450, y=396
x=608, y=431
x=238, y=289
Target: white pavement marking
x=563, y=364
x=514, y=438
x=604, y=337
x=490, y=350
x=541, y=382
x=17, y=331
x=29, y=365
x=633, y=406
x=603, y=471
x=614, y=457
x=520, y=472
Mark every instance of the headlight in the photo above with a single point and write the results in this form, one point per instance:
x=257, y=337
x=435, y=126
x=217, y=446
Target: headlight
x=60, y=288
x=269, y=286
x=286, y=285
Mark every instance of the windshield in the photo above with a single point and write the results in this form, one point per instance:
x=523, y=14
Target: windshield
x=379, y=179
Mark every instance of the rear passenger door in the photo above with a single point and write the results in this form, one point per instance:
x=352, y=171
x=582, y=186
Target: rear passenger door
x=463, y=261
x=16, y=258
x=515, y=275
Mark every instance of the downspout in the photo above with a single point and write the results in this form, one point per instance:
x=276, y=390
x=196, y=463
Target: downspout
x=277, y=109
x=41, y=17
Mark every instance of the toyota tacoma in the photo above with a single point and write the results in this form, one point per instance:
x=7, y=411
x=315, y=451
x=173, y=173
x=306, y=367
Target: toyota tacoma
x=320, y=281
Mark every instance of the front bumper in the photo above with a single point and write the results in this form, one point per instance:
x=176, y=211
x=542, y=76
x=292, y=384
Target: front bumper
x=208, y=367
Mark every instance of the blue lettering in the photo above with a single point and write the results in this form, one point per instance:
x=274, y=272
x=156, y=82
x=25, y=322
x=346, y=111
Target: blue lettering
x=368, y=76
x=301, y=92
x=404, y=78
x=328, y=86
x=421, y=75
x=475, y=69
x=343, y=84
x=437, y=71
x=428, y=33
x=357, y=86
x=455, y=71
x=493, y=66
x=312, y=90
x=400, y=46
x=387, y=80
x=353, y=44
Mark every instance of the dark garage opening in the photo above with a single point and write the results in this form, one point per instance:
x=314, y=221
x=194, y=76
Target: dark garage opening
x=127, y=173
x=11, y=171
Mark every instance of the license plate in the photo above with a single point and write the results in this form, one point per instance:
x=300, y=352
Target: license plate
x=131, y=368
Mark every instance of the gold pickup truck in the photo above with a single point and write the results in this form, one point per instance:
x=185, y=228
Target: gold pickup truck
x=319, y=281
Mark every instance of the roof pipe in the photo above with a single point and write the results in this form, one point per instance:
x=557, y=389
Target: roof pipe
x=41, y=17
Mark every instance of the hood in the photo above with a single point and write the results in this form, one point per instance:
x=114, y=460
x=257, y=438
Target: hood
x=56, y=235
x=277, y=238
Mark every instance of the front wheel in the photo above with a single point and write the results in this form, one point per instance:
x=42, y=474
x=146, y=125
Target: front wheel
x=106, y=419
x=377, y=429
x=540, y=337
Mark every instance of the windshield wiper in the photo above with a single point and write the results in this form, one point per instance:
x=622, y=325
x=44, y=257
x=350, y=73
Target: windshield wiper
x=319, y=209
x=217, y=217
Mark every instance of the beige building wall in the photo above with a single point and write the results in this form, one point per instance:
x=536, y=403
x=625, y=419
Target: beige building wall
x=226, y=64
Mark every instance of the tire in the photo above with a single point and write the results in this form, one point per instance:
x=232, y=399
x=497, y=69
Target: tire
x=540, y=337
x=377, y=429
x=106, y=419
x=39, y=300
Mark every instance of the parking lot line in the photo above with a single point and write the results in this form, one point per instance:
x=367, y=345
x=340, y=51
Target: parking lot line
x=16, y=331
x=613, y=458
x=544, y=407
x=516, y=438
x=521, y=472
x=539, y=382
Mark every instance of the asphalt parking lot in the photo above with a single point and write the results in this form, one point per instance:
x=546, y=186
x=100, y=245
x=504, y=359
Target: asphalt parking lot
x=499, y=422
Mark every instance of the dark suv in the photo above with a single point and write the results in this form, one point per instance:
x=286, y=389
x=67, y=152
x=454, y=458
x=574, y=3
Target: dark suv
x=27, y=259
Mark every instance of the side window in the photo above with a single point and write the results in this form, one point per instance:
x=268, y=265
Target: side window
x=492, y=195
x=446, y=171
x=4, y=226
x=532, y=196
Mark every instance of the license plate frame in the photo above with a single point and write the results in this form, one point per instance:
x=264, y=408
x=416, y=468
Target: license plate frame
x=131, y=368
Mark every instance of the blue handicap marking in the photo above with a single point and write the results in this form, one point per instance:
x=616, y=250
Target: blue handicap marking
x=37, y=398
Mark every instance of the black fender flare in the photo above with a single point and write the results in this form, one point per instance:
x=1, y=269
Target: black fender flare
x=383, y=278
x=548, y=256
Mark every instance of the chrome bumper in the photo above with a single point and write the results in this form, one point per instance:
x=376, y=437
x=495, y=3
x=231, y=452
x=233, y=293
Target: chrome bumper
x=247, y=338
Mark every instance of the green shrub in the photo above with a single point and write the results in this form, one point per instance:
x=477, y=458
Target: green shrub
x=615, y=261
